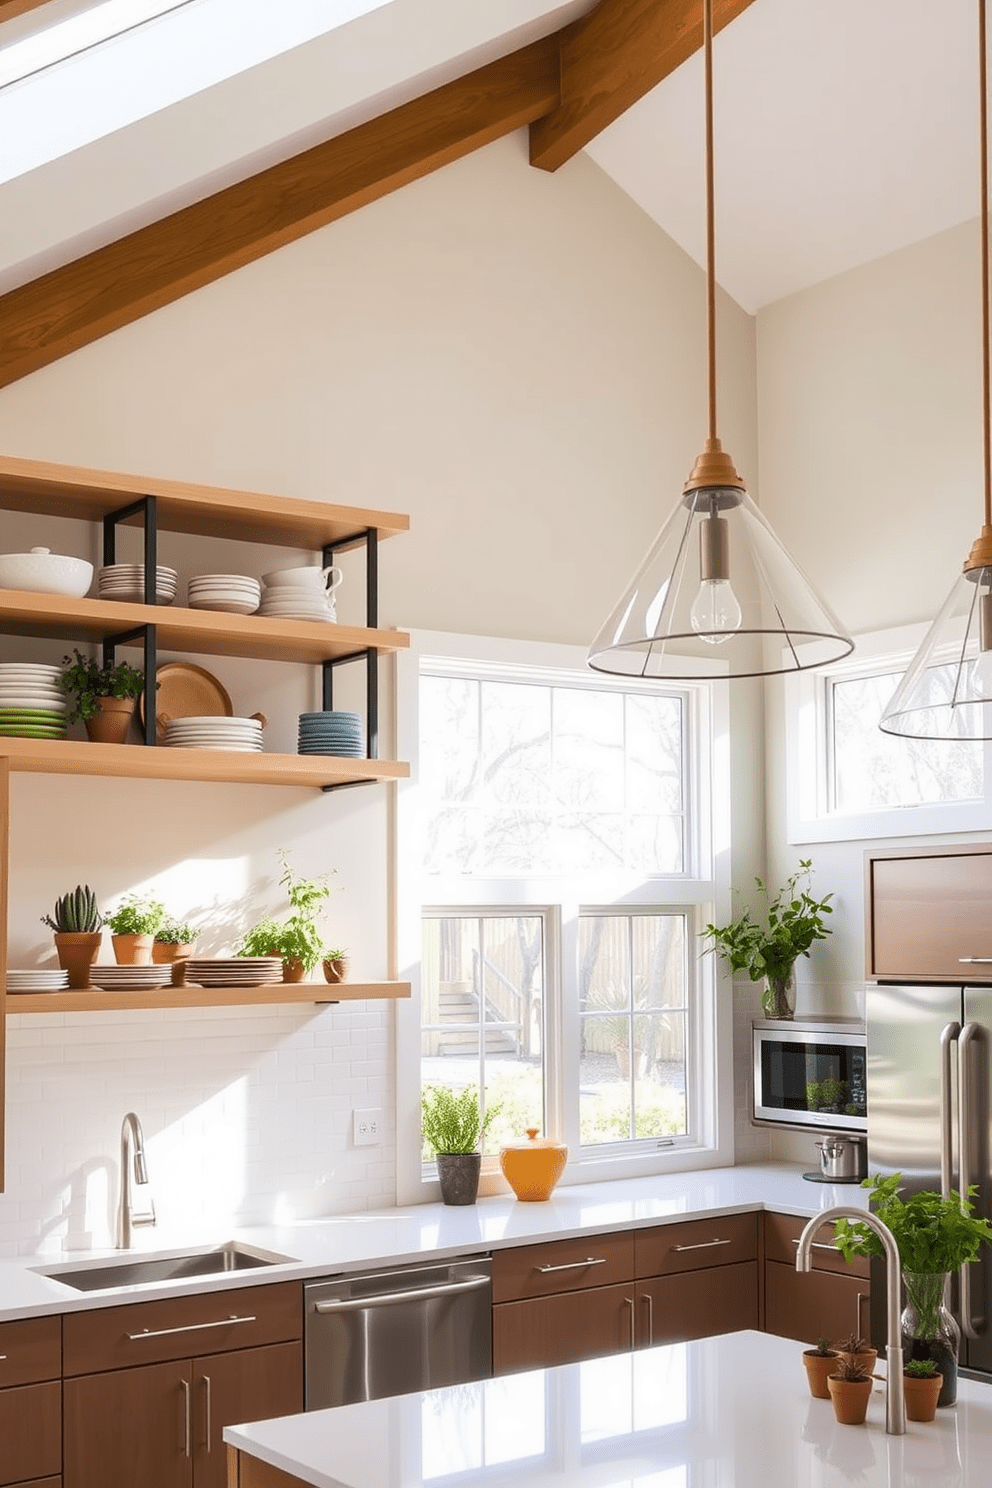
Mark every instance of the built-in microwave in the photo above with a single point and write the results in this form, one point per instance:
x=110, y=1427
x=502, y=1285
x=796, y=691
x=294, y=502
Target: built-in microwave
x=811, y=1073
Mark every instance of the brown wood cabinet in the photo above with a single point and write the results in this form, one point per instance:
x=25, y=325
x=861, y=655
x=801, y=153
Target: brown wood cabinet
x=30, y=1400
x=828, y=1302
x=142, y=1407
x=929, y=912
x=686, y=1280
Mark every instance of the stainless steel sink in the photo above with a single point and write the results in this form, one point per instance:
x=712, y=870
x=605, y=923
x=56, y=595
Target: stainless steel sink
x=102, y=1275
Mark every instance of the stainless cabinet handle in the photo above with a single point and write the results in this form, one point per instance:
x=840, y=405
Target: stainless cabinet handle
x=948, y=1038
x=573, y=1265
x=649, y=1304
x=969, y=1033
x=859, y=1329
x=975, y=960
x=206, y=1381
x=820, y=1245
x=704, y=1245
x=629, y=1302
x=227, y=1322
x=187, y=1419
x=415, y=1294
x=2, y=1357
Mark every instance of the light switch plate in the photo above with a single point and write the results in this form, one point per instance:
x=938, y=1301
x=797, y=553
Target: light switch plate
x=367, y=1127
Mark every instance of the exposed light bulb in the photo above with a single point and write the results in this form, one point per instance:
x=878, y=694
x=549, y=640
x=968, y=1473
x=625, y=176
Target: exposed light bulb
x=716, y=613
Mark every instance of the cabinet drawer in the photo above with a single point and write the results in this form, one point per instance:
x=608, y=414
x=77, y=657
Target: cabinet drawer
x=181, y=1327
x=820, y=1305
x=30, y=1432
x=721, y=1241
x=562, y=1266
x=30, y=1351
x=700, y=1304
x=782, y=1233
x=546, y=1331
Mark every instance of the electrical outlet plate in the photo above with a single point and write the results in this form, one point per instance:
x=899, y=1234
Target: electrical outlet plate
x=367, y=1127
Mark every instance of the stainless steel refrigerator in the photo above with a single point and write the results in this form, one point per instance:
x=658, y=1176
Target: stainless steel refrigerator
x=929, y=1067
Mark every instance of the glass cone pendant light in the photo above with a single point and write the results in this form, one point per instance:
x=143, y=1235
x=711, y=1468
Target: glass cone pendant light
x=717, y=585
x=947, y=690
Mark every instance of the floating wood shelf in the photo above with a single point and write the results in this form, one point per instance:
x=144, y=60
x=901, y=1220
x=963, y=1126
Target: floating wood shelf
x=95, y=1000
x=205, y=632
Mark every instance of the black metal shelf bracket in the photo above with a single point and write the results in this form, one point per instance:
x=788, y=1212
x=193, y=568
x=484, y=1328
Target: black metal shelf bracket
x=147, y=635
x=367, y=538
x=148, y=507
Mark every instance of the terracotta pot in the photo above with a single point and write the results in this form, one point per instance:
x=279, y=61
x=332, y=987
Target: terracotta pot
x=532, y=1168
x=336, y=970
x=850, y=1399
x=818, y=1368
x=866, y=1358
x=174, y=954
x=111, y=721
x=293, y=970
x=133, y=950
x=921, y=1396
x=77, y=951
x=459, y=1175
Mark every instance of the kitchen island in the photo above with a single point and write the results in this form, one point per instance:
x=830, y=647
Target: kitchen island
x=726, y=1412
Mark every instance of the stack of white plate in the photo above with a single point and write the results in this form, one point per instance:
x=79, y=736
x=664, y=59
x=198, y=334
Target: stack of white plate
x=235, y=594
x=288, y=602
x=31, y=704
x=46, y=979
x=126, y=582
x=242, y=734
x=234, y=971
x=130, y=978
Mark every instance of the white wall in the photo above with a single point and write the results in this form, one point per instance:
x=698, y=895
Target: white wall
x=869, y=416
x=517, y=360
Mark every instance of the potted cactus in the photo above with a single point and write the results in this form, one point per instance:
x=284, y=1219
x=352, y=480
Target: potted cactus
x=76, y=921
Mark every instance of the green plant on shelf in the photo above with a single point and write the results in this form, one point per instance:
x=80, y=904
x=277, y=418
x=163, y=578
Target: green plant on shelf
x=136, y=916
x=174, y=932
x=297, y=937
x=87, y=680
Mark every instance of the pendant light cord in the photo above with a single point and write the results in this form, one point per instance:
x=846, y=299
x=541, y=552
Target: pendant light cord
x=710, y=231
x=984, y=143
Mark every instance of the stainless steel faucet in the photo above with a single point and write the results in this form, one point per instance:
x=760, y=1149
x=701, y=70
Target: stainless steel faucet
x=132, y=1155
x=895, y=1405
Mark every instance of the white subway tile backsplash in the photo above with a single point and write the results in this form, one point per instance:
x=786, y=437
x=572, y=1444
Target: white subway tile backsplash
x=246, y=1115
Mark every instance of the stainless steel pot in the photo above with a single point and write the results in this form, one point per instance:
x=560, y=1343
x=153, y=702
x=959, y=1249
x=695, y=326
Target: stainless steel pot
x=843, y=1158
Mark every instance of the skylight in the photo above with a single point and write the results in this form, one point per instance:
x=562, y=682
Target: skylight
x=77, y=33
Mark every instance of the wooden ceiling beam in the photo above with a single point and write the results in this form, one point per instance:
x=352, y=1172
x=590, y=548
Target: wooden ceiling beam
x=613, y=56
x=78, y=303
x=11, y=8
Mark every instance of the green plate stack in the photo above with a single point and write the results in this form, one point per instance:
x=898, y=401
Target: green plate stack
x=32, y=706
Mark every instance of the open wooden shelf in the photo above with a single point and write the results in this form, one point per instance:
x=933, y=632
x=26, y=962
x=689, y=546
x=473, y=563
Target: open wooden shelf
x=95, y=1000
x=205, y=632
x=216, y=766
x=204, y=511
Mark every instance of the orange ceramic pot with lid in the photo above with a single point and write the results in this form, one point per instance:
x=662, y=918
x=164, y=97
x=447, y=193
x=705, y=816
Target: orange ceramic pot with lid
x=532, y=1168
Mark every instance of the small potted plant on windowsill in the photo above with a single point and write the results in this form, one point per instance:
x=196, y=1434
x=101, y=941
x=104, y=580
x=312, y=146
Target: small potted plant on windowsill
x=132, y=927
x=769, y=951
x=76, y=922
x=104, y=696
x=454, y=1128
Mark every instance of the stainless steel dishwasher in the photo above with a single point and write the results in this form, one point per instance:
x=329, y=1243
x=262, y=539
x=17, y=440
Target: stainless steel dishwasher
x=392, y=1332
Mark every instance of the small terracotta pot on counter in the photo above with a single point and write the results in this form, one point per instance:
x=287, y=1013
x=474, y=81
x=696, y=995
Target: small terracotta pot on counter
x=532, y=1168
x=77, y=951
x=133, y=950
x=818, y=1368
x=921, y=1396
x=850, y=1399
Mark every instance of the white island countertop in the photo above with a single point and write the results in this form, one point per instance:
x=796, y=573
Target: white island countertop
x=395, y=1237
x=728, y=1412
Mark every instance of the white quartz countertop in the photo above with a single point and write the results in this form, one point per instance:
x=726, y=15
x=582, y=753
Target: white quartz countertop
x=388, y=1237
x=729, y=1412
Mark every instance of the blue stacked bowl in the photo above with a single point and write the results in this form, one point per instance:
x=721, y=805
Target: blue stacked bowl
x=332, y=732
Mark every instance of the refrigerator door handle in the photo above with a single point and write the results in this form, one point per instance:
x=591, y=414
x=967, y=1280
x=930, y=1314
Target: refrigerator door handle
x=969, y=1033
x=948, y=1038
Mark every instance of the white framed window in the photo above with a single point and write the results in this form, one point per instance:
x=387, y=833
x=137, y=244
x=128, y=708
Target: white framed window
x=846, y=780
x=557, y=862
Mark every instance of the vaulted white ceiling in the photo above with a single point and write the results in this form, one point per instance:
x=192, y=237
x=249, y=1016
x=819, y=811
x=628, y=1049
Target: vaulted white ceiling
x=846, y=129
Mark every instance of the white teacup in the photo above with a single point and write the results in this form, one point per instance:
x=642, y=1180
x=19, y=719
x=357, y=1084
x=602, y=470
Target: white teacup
x=322, y=580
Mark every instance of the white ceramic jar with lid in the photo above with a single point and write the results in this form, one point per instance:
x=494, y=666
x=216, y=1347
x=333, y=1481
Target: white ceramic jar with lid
x=44, y=572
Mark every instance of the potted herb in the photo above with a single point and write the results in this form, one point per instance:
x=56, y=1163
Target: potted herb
x=820, y=1361
x=934, y=1236
x=297, y=938
x=850, y=1386
x=335, y=963
x=172, y=946
x=132, y=926
x=769, y=949
x=454, y=1127
x=76, y=921
x=856, y=1347
x=921, y=1382
x=104, y=696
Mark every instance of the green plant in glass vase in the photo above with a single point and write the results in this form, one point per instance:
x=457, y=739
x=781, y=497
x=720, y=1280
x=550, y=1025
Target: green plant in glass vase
x=768, y=950
x=934, y=1236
